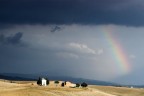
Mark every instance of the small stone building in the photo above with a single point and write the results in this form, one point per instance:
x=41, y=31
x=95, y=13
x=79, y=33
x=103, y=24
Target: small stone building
x=44, y=82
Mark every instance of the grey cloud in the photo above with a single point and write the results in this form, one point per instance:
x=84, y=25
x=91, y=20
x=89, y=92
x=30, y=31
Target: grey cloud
x=121, y=12
x=82, y=48
x=14, y=39
x=88, y=56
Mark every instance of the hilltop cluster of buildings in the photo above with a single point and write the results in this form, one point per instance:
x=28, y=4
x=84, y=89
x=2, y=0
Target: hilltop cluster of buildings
x=45, y=82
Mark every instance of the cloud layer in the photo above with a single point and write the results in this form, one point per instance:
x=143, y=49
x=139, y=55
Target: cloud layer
x=76, y=50
x=67, y=37
x=120, y=12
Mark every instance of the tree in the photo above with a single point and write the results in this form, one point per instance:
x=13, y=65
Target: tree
x=56, y=82
x=39, y=82
x=84, y=84
x=77, y=85
x=47, y=81
x=62, y=84
x=65, y=82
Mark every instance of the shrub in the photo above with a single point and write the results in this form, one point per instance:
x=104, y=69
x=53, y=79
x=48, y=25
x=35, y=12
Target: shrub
x=56, y=82
x=62, y=84
x=65, y=82
x=84, y=84
x=77, y=85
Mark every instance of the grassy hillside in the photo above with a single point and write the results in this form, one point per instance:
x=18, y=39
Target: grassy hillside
x=120, y=91
x=30, y=88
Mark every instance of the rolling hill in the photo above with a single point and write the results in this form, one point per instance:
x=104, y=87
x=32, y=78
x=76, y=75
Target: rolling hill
x=30, y=88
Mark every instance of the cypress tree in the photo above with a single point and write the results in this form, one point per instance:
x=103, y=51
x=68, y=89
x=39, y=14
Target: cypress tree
x=47, y=81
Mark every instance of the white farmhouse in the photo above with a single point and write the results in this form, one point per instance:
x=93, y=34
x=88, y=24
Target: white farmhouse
x=44, y=82
x=72, y=85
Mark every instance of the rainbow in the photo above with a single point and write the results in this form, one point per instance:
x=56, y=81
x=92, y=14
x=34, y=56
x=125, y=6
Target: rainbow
x=117, y=51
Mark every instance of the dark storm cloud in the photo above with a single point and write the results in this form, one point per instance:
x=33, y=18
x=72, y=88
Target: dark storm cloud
x=122, y=12
x=56, y=28
x=14, y=39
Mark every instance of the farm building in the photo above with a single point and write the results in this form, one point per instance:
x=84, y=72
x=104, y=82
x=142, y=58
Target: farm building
x=44, y=82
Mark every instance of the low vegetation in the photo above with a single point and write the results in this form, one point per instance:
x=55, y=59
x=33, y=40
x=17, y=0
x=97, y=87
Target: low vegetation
x=84, y=84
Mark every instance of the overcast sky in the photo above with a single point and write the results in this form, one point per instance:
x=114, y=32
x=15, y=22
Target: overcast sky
x=68, y=38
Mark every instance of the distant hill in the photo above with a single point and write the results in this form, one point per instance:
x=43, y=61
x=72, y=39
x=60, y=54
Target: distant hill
x=15, y=76
x=31, y=77
x=27, y=76
x=80, y=80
